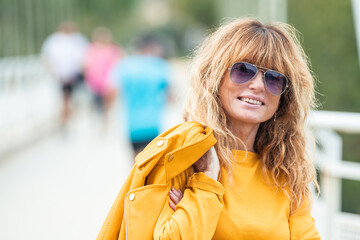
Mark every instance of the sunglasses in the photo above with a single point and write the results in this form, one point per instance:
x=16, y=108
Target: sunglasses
x=242, y=72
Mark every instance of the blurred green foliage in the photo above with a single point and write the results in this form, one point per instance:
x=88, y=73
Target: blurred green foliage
x=24, y=24
x=351, y=151
x=350, y=201
x=351, y=189
x=329, y=39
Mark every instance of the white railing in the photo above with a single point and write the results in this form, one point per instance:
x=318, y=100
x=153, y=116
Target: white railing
x=332, y=223
x=21, y=72
x=28, y=102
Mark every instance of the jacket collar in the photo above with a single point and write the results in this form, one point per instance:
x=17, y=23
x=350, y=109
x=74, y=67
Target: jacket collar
x=181, y=145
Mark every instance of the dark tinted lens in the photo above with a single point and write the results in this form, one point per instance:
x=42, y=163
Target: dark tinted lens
x=242, y=72
x=275, y=82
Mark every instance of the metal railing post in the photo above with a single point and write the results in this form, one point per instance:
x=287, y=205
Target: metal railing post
x=330, y=152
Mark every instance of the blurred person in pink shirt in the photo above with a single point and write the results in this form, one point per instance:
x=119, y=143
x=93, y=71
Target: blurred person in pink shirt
x=100, y=57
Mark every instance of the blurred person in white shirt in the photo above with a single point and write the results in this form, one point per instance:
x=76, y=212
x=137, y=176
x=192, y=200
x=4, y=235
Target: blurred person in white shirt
x=63, y=54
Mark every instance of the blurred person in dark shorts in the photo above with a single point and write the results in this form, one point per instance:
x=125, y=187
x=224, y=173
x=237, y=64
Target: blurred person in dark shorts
x=62, y=53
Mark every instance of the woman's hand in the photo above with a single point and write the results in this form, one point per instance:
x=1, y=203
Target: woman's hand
x=209, y=164
x=175, y=197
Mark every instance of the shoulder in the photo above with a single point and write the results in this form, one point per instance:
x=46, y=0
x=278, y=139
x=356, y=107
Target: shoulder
x=51, y=39
x=130, y=61
x=160, y=63
x=80, y=37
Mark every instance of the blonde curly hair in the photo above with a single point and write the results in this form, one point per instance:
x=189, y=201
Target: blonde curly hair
x=281, y=144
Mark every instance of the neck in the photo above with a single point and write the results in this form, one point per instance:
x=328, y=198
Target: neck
x=246, y=134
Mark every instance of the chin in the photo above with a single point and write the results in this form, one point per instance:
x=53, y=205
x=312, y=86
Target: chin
x=249, y=121
x=252, y=120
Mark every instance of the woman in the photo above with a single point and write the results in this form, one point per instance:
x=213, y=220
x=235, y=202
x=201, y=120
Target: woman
x=260, y=112
x=252, y=86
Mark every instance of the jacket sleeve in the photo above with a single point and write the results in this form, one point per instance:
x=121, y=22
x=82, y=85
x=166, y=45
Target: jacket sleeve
x=197, y=214
x=302, y=224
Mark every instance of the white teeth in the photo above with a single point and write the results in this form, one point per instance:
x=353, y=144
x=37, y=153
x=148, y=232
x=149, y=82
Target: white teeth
x=252, y=101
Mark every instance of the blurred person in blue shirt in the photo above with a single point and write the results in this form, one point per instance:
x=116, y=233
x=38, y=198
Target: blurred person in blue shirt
x=143, y=79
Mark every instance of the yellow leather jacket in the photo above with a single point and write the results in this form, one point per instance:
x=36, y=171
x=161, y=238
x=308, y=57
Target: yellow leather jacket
x=142, y=211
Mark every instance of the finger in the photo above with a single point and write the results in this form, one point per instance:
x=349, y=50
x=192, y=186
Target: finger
x=172, y=205
x=176, y=193
x=181, y=194
x=174, y=198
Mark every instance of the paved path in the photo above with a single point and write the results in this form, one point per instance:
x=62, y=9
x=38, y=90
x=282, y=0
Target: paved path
x=63, y=187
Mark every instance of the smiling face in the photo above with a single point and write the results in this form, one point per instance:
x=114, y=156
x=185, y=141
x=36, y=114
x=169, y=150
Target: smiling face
x=249, y=103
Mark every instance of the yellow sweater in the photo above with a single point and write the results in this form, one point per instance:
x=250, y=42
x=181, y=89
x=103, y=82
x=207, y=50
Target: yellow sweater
x=247, y=209
x=253, y=209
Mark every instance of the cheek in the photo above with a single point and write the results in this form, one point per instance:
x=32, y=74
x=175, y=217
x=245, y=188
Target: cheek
x=224, y=93
x=275, y=103
x=224, y=101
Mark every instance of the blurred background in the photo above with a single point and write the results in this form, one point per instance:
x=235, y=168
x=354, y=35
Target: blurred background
x=67, y=131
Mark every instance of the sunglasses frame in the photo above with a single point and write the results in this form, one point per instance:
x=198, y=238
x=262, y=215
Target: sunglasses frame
x=260, y=68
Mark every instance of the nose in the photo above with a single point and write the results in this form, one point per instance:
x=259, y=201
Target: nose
x=257, y=83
